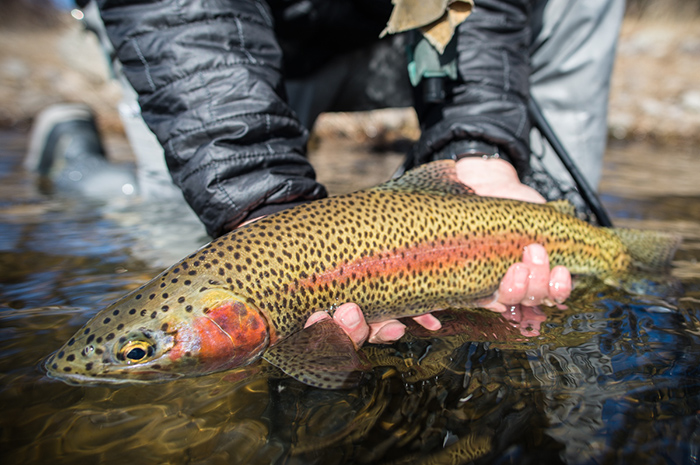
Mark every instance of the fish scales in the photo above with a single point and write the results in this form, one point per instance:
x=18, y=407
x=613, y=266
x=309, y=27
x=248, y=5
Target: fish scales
x=410, y=246
x=428, y=252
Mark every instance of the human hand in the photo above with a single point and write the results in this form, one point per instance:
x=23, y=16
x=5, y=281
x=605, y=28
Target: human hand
x=495, y=177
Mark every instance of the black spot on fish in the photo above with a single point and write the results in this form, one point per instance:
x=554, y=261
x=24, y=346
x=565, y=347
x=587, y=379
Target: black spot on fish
x=88, y=366
x=132, y=311
x=164, y=327
x=61, y=354
x=188, y=308
x=138, y=297
x=98, y=340
x=180, y=300
x=70, y=358
x=165, y=308
x=153, y=315
x=86, y=331
x=165, y=295
x=99, y=351
x=110, y=336
x=106, y=320
x=120, y=326
x=67, y=369
x=174, y=280
x=71, y=342
x=151, y=297
x=115, y=313
x=90, y=338
x=187, y=282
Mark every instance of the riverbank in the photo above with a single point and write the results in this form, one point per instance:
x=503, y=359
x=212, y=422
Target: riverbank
x=655, y=94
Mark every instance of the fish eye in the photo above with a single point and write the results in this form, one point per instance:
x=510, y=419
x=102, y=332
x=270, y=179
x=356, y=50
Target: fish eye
x=136, y=351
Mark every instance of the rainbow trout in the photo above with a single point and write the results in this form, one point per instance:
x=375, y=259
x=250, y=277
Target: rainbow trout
x=417, y=244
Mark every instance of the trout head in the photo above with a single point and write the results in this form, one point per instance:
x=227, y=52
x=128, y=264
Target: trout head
x=164, y=330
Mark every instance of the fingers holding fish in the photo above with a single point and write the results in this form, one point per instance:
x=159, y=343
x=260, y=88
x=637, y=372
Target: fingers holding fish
x=392, y=330
x=559, y=284
x=350, y=319
x=386, y=331
x=513, y=288
x=537, y=261
x=531, y=282
x=428, y=321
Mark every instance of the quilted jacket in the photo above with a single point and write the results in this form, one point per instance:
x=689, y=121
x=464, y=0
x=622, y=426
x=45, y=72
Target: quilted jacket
x=209, y=75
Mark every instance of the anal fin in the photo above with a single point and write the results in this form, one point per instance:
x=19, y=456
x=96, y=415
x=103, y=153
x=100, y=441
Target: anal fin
x=321, y=355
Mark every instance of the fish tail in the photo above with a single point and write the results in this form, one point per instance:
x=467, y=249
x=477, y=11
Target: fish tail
x=649, y=249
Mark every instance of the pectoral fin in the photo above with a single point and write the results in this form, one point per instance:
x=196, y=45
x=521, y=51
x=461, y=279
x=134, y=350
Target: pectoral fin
x=321, y=355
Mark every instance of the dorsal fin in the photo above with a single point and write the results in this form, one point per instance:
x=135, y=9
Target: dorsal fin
x=438, y=177
x=563, y=206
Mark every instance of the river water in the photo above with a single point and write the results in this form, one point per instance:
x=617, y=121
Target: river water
x=612, y=378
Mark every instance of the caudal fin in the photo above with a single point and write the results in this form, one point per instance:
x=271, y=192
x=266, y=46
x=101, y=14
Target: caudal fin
x=649, y=249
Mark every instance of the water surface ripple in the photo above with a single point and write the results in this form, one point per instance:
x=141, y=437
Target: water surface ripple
x=613, y=378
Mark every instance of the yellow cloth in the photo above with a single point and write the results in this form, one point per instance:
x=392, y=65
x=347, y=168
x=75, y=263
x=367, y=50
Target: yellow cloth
x=436, y=19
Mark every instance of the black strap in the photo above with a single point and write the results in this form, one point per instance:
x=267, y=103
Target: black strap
x=588, y=194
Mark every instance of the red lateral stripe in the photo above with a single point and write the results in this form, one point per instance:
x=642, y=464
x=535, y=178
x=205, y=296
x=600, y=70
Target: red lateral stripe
x=452, y=252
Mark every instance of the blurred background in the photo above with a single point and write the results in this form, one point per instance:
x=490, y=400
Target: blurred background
x=46, y=57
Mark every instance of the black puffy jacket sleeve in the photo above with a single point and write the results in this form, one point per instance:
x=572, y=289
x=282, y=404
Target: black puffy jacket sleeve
x=488, y=102
x=208, y=76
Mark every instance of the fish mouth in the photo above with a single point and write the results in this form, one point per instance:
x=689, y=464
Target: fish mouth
x=135, y=374
x=145, y=377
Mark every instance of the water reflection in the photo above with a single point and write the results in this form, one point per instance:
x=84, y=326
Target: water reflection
x=612, y=378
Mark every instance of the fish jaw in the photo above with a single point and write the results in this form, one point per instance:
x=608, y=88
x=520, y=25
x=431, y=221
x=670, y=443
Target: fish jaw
x=81, y=362
x=219, y=331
